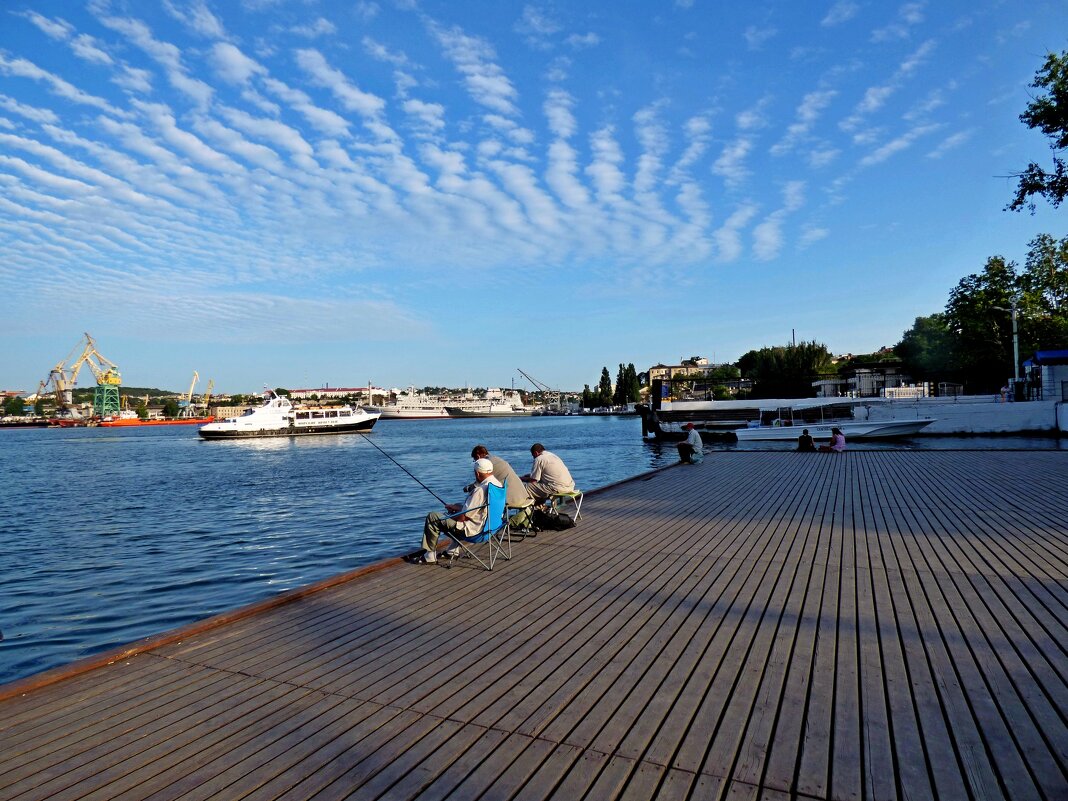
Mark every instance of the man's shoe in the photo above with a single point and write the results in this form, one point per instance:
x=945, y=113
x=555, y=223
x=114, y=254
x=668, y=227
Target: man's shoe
x=452, y=553
x=428, y=558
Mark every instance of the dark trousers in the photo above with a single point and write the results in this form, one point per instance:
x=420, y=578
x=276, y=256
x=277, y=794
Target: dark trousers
x=686, y=452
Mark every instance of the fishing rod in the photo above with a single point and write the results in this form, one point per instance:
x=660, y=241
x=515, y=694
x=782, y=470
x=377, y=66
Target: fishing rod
x=406, y=470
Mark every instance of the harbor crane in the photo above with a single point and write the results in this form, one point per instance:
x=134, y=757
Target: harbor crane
x=556, y=395
x=62, y=379
x=186, y=405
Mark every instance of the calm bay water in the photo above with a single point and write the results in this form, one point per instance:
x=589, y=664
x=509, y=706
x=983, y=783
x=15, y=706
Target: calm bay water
x=110, y=535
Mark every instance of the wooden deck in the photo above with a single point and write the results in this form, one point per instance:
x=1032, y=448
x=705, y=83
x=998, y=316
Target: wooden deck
x=869, y=625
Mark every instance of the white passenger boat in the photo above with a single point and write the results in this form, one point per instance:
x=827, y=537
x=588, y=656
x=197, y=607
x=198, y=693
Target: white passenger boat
x=851, y=429
x=277, y=417
x=412, y=405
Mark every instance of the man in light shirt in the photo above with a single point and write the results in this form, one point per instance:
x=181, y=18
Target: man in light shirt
x=691, y=449
x=464, y=519
x=548, y=476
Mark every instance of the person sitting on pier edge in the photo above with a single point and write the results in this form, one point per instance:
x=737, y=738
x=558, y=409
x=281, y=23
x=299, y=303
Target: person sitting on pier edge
x=548, y=476
x=465, y=519
x=691, y=449
x=518, y=497
x=837, y=443
x=805, y=442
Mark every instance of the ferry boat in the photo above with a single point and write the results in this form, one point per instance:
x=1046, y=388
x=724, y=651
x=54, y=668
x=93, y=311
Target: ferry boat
x=277, y=417
x=785, y=427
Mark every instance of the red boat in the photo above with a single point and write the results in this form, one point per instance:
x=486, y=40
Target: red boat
x=116, y=422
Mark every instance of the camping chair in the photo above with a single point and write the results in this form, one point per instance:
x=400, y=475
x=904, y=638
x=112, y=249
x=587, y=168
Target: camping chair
x=521, y=520
x=492, y=541
x=558, y=500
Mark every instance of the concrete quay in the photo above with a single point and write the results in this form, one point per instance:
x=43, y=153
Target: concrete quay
x=764, y=625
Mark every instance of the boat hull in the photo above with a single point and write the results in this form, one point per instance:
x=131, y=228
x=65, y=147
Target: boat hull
x=411, y=414
x=883, y=429
x=187, y=421
x=357, y=427
x=455, y=411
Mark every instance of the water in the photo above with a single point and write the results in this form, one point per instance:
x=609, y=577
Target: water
x=110, y=535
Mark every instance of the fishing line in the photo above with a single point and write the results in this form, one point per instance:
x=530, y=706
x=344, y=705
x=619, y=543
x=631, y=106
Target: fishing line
x=406, y=470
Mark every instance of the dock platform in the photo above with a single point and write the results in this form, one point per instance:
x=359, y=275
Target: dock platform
x=866, y=625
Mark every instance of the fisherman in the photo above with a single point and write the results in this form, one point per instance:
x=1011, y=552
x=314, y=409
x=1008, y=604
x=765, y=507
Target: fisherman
x=518, y=498
x=691, y=450
x=549, y=475
x=805, y=442
x=463, y=520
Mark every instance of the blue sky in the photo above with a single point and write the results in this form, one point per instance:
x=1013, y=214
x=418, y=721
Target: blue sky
x=310, y=192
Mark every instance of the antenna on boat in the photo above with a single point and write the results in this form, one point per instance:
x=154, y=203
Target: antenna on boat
x=406, y=470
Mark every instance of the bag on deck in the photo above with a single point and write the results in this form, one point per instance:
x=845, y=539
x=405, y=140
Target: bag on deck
x=551, y=521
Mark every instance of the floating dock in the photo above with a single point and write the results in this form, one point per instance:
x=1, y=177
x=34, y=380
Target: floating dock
x=867, y=625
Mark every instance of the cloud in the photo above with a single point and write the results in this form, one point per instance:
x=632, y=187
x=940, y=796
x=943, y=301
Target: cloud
x=315, y=29
x=810, y=235
x=197, y=17
x=536, y=26
x=21, y=68
x=58, y=29
x=756, y=37
x=348, y=94
x=841, y=11
x=908, y=16
x=731, y=162
x=29, y=112
x=951, y=142
x=232, y=65
x=895, y=146
x=808, y=112
x=474, y=59
x=581, y=41
x=728, y=237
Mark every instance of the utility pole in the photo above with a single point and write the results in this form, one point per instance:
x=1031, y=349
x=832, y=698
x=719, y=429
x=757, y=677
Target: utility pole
x=1015, y=338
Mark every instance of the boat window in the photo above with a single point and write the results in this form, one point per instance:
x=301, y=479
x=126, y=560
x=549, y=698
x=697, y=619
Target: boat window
x=344, y=413
x=302, y=415
x=317, y=415
x=331, y=414
x=247, y=412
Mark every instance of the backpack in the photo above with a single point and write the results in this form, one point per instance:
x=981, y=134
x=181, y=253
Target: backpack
x=551, y=521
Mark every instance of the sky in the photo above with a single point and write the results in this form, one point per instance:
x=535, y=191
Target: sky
x=309, y=193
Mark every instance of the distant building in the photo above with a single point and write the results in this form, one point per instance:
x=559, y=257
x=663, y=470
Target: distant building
x=337, y=392
x=1046, y=375
x=694, y=366
x=868, y=380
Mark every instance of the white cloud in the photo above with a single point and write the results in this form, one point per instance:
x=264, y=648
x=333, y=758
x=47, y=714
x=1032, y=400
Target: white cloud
x=315, y=29
x=902, y=142
x=474, y=59
x=232, y=65
x=57, y=29
x=581, y=41
x=29, y=112
x=950, y=143
x=908, y=16
x=756, y=37
x=841, y=11
x=197, y=17
x=810, y=235
x=728, y=237
x=808, y=112
x=350, y=96
x=20, y=67
x=731, y=162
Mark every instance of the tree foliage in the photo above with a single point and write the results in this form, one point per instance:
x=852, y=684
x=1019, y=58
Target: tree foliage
x=1049, y=113
x=15, y=406
x=972, y=341
x=786, y=371
x=604, y=388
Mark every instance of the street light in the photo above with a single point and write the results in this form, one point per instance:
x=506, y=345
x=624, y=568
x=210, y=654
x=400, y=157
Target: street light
x=1015, y=339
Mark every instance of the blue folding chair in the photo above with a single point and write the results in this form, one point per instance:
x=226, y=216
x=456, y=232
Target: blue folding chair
x=493, y=539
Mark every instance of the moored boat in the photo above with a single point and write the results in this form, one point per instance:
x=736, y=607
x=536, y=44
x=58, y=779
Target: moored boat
x=277, y=417
x=412, y=405
x=126, y=419
x=851, y=429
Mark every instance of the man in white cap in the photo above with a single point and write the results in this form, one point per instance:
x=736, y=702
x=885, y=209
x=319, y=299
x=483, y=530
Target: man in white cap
x=464, y=519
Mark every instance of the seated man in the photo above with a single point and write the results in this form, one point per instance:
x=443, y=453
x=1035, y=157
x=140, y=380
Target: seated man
x=691, y=450
x=549, y=476
x=805, y=442
x=464, y=520
x=518, y=497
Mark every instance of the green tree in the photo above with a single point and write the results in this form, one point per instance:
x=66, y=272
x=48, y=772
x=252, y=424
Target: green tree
x=1043, y=306
x=634, y=387
x=977, y=315
x=589, y=399
x=604, y=389
x=786, y=371
x=619, y=395
x=927, y=349
x=38, y=407
x=142, y=411
x=15, y=406
x=283, y=393
x=1049, y=113
x=170, y=408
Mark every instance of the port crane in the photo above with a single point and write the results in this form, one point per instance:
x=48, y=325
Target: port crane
x=556, y=395
x=186, y=406
x=62, y=379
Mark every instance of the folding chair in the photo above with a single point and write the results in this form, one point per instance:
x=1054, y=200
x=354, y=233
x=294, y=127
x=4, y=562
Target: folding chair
x=493, y=539
x=559, y=499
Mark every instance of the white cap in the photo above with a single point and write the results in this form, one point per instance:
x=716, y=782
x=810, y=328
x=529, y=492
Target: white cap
x=483, y=465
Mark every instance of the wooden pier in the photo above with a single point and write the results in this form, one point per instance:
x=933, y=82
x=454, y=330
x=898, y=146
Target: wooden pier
x=870, y=625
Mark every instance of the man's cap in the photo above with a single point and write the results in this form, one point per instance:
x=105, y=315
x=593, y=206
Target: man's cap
x=484, y=465
x=688, y=425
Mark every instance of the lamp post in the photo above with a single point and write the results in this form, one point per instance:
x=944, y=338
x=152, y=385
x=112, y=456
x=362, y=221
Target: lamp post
x=1015, y=339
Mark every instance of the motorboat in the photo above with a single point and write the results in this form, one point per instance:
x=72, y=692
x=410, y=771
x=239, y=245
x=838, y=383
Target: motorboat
x=278, y=417
x=851, y=429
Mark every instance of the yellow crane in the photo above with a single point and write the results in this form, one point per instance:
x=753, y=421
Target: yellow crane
x=207, y=394
x=63, y=378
